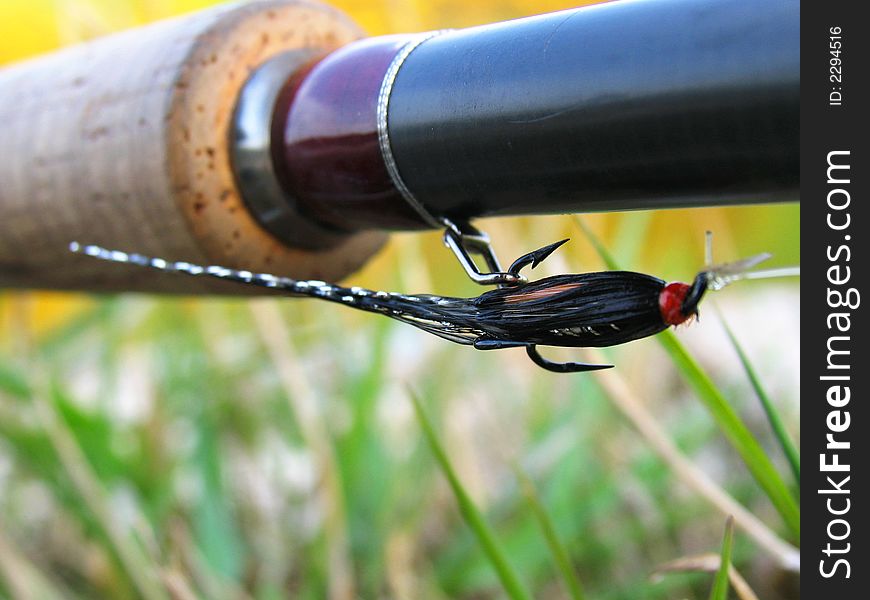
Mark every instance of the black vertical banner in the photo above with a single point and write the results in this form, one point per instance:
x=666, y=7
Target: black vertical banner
x=835, y=361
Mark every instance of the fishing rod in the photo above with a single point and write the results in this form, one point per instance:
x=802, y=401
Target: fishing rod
x=278, y=141
x=635, y=104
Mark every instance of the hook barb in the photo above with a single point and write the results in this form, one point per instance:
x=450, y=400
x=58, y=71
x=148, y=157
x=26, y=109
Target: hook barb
x=535, y=257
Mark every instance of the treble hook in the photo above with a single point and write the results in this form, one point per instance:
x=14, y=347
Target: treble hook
x=462, y=239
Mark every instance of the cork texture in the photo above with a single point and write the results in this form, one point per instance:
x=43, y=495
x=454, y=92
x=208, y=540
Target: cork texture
x=124, y=142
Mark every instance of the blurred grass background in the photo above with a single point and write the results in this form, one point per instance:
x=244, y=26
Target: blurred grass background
x=214, y=448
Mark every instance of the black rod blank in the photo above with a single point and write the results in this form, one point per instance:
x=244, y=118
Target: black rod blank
x=633, y=104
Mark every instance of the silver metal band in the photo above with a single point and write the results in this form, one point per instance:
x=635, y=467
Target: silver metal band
x=383, y=127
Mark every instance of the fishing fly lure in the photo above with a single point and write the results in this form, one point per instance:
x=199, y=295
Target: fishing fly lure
x=580, y=310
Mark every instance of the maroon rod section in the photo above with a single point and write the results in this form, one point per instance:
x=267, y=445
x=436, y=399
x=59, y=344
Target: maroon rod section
x=330, y=160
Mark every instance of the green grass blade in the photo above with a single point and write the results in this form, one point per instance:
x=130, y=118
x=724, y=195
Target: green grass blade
x=720, y=584
x=137, y=565
x=631, y=235
x=13, y=383
x=735, y=431
x=509, y=579
x=560, y=555
x=729, y=423
x=779, y=430
x=214, y=523
x=602, y=251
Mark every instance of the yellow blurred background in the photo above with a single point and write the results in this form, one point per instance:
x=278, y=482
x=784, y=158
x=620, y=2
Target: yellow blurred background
x=29, y=27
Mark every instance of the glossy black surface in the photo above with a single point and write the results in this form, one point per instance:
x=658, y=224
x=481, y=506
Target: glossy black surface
x=628, y=105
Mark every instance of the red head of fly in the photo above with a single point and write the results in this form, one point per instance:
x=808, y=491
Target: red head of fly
x=678, y=302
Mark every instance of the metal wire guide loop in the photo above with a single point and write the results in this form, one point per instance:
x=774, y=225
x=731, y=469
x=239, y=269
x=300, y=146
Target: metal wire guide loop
x=464, y=240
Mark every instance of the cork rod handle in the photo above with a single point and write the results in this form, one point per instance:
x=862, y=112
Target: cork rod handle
x=124, y=142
